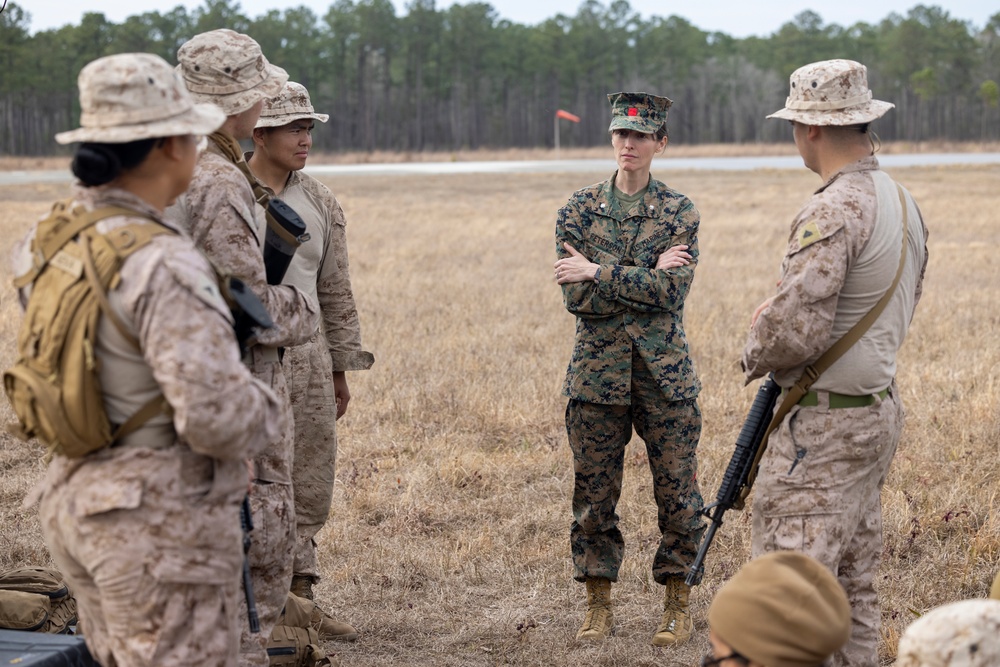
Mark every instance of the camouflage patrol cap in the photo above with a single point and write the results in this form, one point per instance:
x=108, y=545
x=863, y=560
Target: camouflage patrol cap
x=228, y=69
x=831, y=92
x=132, y=96
x=291, y=104
x=960, y=634
x=641, y=112
x=782, y=609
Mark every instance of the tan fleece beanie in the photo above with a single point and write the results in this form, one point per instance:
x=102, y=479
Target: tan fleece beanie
x=783, y=609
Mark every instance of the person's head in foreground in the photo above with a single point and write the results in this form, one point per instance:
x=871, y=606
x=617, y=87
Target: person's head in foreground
x=960, y=634
x=638, y=129
x=140, y=127
x=830, y=108
x=783, y=609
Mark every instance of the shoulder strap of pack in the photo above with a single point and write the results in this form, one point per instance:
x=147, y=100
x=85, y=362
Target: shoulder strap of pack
x=45, y=248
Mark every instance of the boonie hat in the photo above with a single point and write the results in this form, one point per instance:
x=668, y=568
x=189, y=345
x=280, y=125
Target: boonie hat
x=291, y=104
x=960, y=634
x=783, y=609
x=228, y=69
x=641, y=112
x=132, y=96
x=831, y=92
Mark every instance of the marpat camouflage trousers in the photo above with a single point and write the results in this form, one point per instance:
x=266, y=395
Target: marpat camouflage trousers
x=309, y=372
x=270, y=566
x=819, y=492
x=154, y=561
x=598, y=435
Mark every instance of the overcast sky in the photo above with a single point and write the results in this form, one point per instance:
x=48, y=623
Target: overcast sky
x=738, y=18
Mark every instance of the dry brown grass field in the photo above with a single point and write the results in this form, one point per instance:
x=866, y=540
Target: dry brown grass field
x=449, y=545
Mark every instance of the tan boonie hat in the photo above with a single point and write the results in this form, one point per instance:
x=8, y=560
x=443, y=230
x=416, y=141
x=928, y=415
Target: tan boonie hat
x=229, y=70
x=291, y=104
x=961, y=634
x=641, y=112
x=783, y=609
x=132, y=96
x=831, y=92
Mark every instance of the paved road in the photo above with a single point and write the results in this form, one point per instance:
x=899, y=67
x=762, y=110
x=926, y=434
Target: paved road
x=557, y=166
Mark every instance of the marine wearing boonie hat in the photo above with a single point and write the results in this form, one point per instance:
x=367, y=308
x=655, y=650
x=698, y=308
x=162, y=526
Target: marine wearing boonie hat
x=782, y=609
x=228, y=69
x=831, y=92
x=132, y=96
x=291, y=104
x=641, y=112
x=960, y=634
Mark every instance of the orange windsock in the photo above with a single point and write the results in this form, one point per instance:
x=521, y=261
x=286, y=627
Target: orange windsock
x=567, y=115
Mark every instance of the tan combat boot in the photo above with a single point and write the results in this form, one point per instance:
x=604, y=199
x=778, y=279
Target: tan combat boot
x=676, y=625
x=325, y=625
x=329, y=628
x=302, y=586
x=597, y=624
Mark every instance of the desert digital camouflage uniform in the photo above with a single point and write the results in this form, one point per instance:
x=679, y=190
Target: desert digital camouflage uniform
x=147, y=532
x=320, y=268
x=631, y=366
x=959, y=634
x=221, y=215
x=820, y=480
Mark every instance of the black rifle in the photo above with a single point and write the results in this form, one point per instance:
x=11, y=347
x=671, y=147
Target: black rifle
x=286, y=231
x=246, y=521
x=249, y=314
x=740, y=474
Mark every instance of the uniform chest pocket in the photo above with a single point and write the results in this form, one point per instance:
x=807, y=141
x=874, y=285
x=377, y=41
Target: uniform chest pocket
x=602, y=250
x=647, y=250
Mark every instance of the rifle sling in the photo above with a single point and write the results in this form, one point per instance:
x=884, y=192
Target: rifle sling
x=837, y=350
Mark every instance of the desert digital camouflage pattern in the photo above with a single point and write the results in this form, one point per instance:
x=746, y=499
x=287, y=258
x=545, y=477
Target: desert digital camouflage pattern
x=960, y=634
x=132, y=96
x=147, y=532
x=292, y=103
x=228, y=69
x=820, y=481
x=641, y=112
x=219, y=212
x=831, y=92
x=320, y=269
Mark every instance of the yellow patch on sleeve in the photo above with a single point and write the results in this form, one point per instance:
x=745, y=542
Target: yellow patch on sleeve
x=808, y=234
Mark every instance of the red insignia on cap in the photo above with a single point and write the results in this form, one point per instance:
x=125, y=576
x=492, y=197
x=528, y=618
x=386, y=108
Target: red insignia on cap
x=632, y=111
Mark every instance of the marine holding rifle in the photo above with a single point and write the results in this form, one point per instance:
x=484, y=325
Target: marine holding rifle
x=627, y=249
x=141, y=514
x=820, y=481
x=221, y=213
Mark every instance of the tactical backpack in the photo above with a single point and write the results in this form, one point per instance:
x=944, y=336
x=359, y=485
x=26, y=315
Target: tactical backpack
x=294, y=642
x=55, y=387
x=36, y=599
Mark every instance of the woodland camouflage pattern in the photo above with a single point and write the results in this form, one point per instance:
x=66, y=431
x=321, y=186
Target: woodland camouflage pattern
x=641, y=112
x=598, y=435
x=631, y=367
x=219, y=212
x=147, y=531
x=632, y=304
